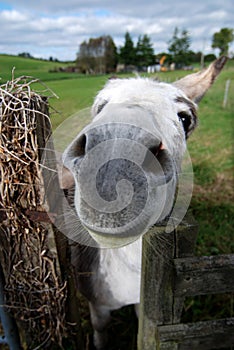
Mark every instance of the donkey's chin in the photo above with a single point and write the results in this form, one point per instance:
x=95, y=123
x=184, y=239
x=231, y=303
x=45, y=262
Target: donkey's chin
x=114, y=237
x=111, y=241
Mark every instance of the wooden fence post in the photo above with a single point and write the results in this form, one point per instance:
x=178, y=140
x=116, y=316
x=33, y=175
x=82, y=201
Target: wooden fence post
x=40, y=289
x=54, y=198
x=158, y=305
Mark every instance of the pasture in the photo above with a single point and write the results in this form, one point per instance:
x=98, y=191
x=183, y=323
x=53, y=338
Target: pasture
x=211, y=150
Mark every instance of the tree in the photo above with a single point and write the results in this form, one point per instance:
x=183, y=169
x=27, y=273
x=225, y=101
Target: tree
x=25, y=55
x=210, y=57
x=98, y=55
x=144, y=52
x=222, y=39
x=179, y=46
x=85, y=60
x=127, y=52
x=111, y=56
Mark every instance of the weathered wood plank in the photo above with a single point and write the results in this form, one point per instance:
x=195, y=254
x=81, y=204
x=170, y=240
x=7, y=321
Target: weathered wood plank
x=200, y=335
x=184, y=245
x=204, y=275
x=148, y=335
x=156, y=285
x=185, y=237
x=156, y=288
x=54, y=197
x=158, y=305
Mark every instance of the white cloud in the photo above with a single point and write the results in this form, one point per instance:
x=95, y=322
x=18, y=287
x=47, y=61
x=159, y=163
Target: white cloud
x=217, y=15
x=12, y=16
x=56, y=28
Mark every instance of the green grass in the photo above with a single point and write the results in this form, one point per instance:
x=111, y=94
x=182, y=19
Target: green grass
x=211, y=150
x=31, y=67
x=212, y=142
x=74, y=95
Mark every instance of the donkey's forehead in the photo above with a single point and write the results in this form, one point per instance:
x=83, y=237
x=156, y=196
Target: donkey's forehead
x=142, y=90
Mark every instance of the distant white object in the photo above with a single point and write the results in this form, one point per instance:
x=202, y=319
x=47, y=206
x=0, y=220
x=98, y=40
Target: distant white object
x=154, y=68
x=226, y=92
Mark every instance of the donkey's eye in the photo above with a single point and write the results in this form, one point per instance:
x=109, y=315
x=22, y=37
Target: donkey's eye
x=186, y=120
x=101, y=106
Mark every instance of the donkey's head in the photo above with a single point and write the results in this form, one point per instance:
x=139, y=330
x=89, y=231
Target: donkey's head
x=125, y=163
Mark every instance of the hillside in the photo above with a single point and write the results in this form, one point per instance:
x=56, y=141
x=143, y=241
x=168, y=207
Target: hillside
x=31, y=67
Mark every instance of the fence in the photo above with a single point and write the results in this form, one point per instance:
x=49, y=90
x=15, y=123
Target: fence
x=37, y=287
x=169, y=274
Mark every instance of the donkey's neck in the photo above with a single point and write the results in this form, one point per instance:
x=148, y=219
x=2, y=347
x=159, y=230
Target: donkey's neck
x=121, y=270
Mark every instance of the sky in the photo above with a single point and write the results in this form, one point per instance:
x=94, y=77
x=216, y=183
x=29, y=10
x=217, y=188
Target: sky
x=56, y=28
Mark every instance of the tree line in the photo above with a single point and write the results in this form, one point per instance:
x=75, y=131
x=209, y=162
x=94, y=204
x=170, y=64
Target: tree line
x=100, y=55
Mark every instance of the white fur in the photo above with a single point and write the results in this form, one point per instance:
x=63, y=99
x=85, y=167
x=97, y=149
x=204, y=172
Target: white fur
x=158, y=98
x=120, y=271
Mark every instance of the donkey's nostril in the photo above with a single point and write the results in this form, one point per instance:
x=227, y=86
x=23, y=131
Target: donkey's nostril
x=80, y=145
x=155, y=149
x=75, y=152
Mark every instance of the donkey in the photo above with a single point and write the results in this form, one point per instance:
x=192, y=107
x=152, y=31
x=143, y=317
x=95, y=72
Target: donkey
x=124, y=168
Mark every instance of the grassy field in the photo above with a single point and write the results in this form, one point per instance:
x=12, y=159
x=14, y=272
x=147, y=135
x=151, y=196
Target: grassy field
x=211, y=150
x=31, y=67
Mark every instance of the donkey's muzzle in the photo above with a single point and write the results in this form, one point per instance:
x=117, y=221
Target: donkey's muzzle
x=121, y=173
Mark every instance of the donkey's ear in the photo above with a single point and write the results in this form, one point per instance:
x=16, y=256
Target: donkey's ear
x=195, y=85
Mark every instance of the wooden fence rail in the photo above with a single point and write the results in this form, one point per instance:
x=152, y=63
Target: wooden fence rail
x=170, y=273
x=205, y=275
